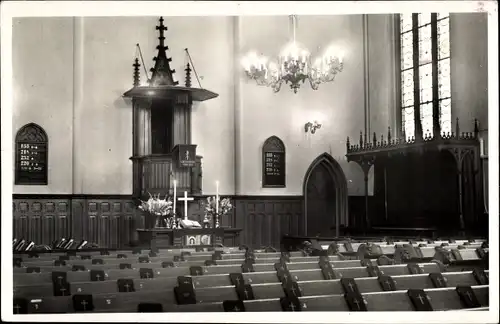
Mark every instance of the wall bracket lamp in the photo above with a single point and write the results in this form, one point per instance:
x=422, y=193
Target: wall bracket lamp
x=312, y=127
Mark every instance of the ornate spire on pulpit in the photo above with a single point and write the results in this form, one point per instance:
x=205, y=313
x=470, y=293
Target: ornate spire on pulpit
x=137, y=75
x=162, y=74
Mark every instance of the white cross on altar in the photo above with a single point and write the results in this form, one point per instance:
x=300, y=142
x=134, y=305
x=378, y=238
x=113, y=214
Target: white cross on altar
x=246, y=293
x=17, y=308
x=84, y=304
x=292, y=307
x=469, y=295
x=419, y=297
x=185, y=199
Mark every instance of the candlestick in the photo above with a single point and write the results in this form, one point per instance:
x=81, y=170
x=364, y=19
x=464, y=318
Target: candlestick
x=481, y=147
x=217, y=197
x=175, y=195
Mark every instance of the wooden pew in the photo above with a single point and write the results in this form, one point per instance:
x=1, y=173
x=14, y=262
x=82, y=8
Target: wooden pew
x=23, y=279
x=110, y=285
x=440, y=299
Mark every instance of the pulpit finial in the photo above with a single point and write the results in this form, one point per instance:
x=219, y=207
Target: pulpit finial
x=188, y=75
x=137, y=76
x=457, y=129
x=162, y=74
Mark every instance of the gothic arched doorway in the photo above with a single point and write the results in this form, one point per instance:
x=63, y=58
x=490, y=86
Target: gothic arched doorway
x=325, y=197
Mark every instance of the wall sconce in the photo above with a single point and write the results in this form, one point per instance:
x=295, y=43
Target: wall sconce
x=312, y=127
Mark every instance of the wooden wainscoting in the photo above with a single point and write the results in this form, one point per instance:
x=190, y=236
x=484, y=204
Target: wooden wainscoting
x=110, y=221
x=266, y=219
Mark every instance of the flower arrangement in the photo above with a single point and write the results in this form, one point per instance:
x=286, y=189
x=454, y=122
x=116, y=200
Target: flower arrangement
x=160, y=209
x=215, y=207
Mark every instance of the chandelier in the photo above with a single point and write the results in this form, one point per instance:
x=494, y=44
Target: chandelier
x=294, y=66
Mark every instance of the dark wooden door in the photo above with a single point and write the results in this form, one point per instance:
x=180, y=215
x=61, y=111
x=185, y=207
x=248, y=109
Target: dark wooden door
x=320, y=202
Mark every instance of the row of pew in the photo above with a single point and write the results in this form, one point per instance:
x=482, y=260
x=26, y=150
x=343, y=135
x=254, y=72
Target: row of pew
x=233, y=279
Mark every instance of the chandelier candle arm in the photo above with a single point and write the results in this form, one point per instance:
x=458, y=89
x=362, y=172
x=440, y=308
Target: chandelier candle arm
x=293, y=66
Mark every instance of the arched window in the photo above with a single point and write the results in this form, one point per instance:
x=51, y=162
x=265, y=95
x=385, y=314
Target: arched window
x=425, y=73
x=31, y=156
x=273, y=163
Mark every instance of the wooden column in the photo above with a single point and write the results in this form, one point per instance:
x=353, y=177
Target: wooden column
x=141, y=127
x=182, y=119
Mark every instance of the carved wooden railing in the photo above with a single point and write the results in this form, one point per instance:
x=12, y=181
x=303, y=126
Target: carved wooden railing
x=155, y=174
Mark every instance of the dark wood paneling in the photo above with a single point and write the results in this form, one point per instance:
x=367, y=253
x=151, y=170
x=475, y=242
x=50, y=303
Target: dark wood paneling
x=42, y=220
x=111, y=221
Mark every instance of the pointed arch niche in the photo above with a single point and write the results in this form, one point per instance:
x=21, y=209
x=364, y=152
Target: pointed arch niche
x=325, y=197
x=273, y=163
x=31, y=155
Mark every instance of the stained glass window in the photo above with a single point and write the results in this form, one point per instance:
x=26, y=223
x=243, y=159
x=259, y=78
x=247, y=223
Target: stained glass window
x=418, y=61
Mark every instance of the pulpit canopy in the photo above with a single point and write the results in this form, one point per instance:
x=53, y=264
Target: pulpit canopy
x=162, y=85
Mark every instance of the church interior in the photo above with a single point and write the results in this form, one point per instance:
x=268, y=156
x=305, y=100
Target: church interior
x=250, y=163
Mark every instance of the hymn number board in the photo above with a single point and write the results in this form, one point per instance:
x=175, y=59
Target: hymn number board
x=31, y=156
x=274, y=161
x=32, y=161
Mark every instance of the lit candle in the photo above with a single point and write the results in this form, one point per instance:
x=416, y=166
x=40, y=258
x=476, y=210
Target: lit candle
x=217, y=197
x=175, y=194
x=481, y=147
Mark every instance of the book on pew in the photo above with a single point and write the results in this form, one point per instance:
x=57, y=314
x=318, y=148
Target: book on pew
x=33, y=270
x=292, y=290
x=167, y=264
x=83, y=303
x=146, y=273
x=78, y=267
x=355, y=302
x=61, y=288
x=437, y=280
x=150, y=308
x=349, y=285
x=387, y=283
x=185, y=295
x=467, y=297
x=245, y=292
x=481, y=277
x=20, y=306
x=233, y=306
x=419, y=300
x=247, y=267
x=59, y=276
x=237, y=279
x=97, y=275
x=125, y=266
x=290, y=304
x=125, y=285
